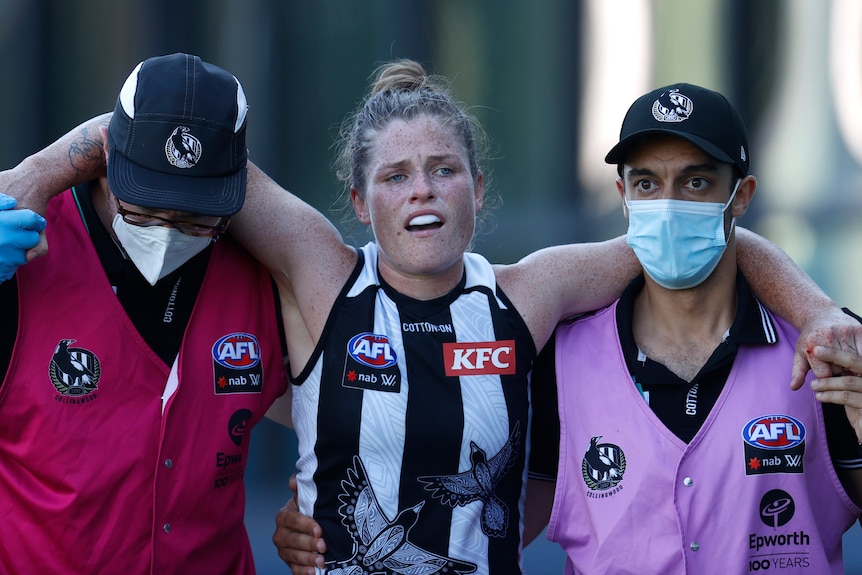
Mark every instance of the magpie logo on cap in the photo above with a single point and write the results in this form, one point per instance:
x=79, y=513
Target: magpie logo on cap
x=182, y=149
x=672, y=106
x=717, y=128
x=191, y=113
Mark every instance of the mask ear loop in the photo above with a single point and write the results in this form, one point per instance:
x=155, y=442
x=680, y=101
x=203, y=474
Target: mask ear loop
x=727, y=205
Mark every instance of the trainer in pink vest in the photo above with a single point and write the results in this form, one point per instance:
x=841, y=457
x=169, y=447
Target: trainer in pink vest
x=755, y=490
x=97, y=475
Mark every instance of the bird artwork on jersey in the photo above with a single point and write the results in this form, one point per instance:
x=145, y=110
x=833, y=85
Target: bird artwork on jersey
x=478, y=484
x=383, y=545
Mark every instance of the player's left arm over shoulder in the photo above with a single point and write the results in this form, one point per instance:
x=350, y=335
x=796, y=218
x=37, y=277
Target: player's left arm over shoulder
x=843, y=393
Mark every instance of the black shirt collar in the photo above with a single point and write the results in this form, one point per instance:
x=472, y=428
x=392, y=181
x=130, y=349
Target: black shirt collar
x=751, y=326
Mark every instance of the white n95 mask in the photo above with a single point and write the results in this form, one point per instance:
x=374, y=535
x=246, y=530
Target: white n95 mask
x=157, y=250
x=678, y=242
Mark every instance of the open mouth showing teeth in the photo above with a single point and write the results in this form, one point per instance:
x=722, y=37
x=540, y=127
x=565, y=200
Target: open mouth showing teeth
x=427, y=222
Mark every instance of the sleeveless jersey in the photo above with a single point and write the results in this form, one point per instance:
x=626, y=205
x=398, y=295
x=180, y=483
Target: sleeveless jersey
x=754, y=490
x=111, y=461
x=412, y=419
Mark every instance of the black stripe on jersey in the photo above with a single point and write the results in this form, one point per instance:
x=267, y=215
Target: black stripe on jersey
x=517, y=394
x=339, y=421
x=434, y=427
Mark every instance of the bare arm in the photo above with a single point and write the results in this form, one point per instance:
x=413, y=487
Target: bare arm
x=554, y=283
x=304, y=252
x=537, y=507
x=76, y=157
x=788, y=291
x=295, y=241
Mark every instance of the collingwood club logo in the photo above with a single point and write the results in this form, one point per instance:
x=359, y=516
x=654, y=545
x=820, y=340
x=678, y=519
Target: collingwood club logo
x=74, y=371
x=182, y=149
x=672, y=106
x=603, y=466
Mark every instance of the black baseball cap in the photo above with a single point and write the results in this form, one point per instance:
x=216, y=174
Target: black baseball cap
x=703, y=117
x=176, y=140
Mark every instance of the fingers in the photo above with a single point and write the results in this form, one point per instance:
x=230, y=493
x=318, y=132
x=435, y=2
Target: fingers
x=40, y=250
x=839, y=331
x=843, y=390
x=298, y=539
x=848, y=362
x=7, y=202
x=800, y=370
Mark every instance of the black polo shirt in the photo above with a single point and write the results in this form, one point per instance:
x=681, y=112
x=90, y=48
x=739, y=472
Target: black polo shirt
x=681, y=405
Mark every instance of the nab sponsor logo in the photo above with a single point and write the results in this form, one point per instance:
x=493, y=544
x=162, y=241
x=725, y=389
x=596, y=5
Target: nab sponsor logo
x=774, y=444
x=480, y=358
x=372, y=350
x=774, y=432
x=237, y=351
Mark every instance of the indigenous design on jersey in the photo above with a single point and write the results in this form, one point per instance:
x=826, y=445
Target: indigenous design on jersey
x=371, y=363
x=382, y=545
x=377, y=388
x=603, y=466
x=74, y=371
x=773, y=444
x=236, y=364
x=479, y=483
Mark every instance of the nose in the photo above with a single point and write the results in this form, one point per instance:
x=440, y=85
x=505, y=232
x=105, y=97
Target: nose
x=423, y=187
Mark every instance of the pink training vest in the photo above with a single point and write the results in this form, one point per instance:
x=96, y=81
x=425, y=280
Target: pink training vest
x=94, y=477
x=755, y=489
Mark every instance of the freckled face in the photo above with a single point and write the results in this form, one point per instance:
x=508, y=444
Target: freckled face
x=421, y=200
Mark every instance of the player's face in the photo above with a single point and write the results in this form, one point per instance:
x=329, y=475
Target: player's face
x=420, y=200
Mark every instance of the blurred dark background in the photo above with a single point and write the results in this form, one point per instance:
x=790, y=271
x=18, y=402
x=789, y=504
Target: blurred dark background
x=549, y=79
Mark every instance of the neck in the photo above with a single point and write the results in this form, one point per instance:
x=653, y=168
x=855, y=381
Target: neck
x=101, y=197
x=681, y=328
x=421, y=287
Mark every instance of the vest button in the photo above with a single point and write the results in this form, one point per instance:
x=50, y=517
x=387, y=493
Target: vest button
x=687, y=482
x=166, y=527
x=694, y=545
x=169, y=463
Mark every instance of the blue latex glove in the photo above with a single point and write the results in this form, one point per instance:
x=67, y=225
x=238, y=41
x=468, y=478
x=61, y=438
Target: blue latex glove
x=19, y=232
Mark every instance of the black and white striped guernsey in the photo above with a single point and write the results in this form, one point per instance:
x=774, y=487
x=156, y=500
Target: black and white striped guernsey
x=412, y=419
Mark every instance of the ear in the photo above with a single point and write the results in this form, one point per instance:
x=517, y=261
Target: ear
x=479, y=193
x=360, y=207
x=621, y=188
x=744, y=195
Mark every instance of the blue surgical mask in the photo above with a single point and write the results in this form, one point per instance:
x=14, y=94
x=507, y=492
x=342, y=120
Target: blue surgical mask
x=678, y=242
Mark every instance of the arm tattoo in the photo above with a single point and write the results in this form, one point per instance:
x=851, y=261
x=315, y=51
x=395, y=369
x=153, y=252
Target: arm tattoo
x=86, y=152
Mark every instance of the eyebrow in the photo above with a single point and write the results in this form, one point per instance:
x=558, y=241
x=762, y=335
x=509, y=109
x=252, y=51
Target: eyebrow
x=428, y=159
x=693, y=169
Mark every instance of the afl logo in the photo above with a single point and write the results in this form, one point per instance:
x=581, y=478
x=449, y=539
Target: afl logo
x=237, y=351
x=372, y=350
x=774, y=432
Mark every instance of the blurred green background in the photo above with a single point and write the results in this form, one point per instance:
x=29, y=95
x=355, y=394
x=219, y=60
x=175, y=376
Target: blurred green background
x=549, y=79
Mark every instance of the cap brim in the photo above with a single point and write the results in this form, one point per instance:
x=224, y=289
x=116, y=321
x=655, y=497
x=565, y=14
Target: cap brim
x=211, y=196
x=620, y=152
